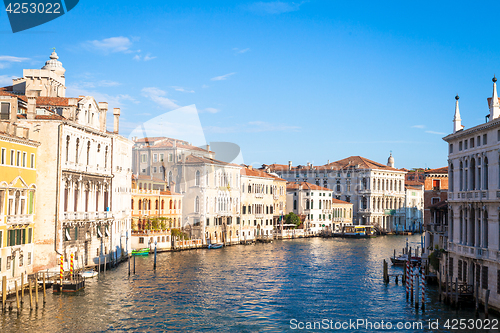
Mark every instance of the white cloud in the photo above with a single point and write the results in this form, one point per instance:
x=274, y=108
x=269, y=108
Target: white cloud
x=147, y=57
x=113, y=100
x=418, y=126
x=222, y=77
x=158, y=96
x=6, y=80
x=239, y=51
x=111, y=45
x=6, y=61
x=252, y=127
x=181, y=89
x=210, y=110
x=434, y=132
x=204, y=86
x=274, y=7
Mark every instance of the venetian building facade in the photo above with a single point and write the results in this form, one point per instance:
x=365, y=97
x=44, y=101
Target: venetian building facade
x=18, y=194
x=375, y=190
x=84, y=171
x=414, y=206
x=313, y=204
x=152, y=200
x=473, y=199
x=262, y=202
x=211, y=209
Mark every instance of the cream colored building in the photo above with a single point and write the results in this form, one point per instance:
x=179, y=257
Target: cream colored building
x=84, y=171
x=474, y=203
x=313, y=204
x=262, y=202
x=375, y=190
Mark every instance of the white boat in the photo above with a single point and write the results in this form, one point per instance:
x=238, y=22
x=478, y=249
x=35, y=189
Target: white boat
x=88, y=274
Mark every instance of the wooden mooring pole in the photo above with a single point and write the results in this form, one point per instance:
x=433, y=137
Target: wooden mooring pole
x=44, y=292
x=134, y=264
x=104, y=264
x=477, y=298
x=22, y=287
x=31, y=294
x=128, y=266
x=486, y=299
x=456, y=293
x=416, y=288
x=439, y=287
x=17, y=296
x=4, y=293
x=386, y=277
x=99, y=266
x=36, y=290
x=154, y=265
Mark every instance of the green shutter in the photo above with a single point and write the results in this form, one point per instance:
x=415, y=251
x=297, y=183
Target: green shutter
x=30, y=235
x=30, y=208
x=23, y=232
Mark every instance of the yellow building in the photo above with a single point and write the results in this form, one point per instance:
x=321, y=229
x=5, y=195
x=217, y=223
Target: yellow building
x=17, y=201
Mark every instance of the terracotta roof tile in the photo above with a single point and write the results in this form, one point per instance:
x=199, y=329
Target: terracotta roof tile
x=340, y=201
x=257, y=173
x=438, y=170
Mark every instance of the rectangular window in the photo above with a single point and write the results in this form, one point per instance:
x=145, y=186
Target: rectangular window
x=478, y=275
x=18, y=160
x=451, y=148
x=161, y=157
x=472, y=142
x=478, y=141
x=12, y=157
x=436, y=184
x=25, y=162
x=3, y=158
x=484, y=278
x=154, y=169
x=30, y=235
x=5, y=111
x=485, y=139
x=170, y=157
x=32, y=161
x=459, y=267
x=141, y=240
x=29, y=258
x=155, y=158
x=460, y=144
x=450, y=267
x=144, y=158
x=465, y=144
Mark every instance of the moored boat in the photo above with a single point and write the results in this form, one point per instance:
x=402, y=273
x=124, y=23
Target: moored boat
x=215, y=246
x=141, y=252
x=88, y=274
x=357, y=231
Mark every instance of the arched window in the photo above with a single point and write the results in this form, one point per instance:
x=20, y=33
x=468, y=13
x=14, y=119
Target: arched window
x=472, y=172
x=312, y=204
x=294, y=204
x=307, y=203
x=77, y=148
x=132, y=204
x=88, y=153
x=170, y=207
x=486, y=173
x=175, y=204
x=140, y=204
x=461, y=176
x=197, y=178
x=156, y=204
x=320, y=204
x=451, y=172
x=197, y=205
x=67, y=148
x=162, y=204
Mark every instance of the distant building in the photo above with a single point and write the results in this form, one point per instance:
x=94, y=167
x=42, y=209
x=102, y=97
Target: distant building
x=263, y=200
x=435, y=189
x=314, y=203
x=18, y=194
x=375, y=190
x=473, y=197
x=414, y=206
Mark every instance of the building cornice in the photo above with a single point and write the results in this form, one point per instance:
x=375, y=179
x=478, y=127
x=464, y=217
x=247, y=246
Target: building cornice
x=463, y=133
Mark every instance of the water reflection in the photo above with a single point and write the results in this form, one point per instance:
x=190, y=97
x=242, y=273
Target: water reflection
x=257, y=288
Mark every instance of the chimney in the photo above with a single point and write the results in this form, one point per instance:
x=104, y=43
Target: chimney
x=208, y=147
x=310, y=166
x=103, y=110
x=289, y=165
x=250, y=167
x=116, y=114
x=31, y=112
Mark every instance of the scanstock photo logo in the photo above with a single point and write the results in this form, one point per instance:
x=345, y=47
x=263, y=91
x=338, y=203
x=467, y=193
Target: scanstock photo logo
x=26, y=15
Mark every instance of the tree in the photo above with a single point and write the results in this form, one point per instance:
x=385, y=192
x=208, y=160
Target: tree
x=292, y=218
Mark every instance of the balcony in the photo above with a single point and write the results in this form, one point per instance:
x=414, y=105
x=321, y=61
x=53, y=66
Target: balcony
x=86, y=216
x=259, y=195
x=19, y=219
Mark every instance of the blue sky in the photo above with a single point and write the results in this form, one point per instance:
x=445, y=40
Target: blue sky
x=304, y=81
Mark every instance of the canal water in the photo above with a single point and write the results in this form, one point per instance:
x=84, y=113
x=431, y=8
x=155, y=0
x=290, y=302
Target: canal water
x=278, y=287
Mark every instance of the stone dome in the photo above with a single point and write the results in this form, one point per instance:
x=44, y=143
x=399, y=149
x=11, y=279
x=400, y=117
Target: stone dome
x=54, y=65
x=390, y=161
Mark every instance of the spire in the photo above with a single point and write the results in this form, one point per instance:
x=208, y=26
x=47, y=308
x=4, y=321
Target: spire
x=457, y=121
x=494, y=105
